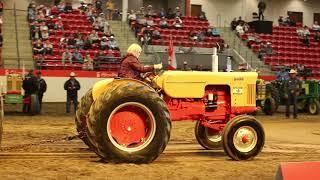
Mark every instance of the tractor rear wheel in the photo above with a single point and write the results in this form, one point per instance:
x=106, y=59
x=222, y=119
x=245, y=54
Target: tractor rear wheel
x=243, y=138
x=313, y=107
x=81, y=117
x=269, y=106
x=207, y=138
x=129, y=123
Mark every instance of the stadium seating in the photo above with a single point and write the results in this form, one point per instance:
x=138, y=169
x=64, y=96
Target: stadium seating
x=74, y=23
x=288, y=49
x=181, y=37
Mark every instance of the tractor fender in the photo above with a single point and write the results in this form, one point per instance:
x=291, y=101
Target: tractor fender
x=100, y=86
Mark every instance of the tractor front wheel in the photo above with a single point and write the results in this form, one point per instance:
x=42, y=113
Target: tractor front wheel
x=313, y=107
x=129, y=123
x=207, y=138
x=243, y=138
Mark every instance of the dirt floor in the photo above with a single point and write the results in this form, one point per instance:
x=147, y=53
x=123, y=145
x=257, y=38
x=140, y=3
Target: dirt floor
x=38, y=148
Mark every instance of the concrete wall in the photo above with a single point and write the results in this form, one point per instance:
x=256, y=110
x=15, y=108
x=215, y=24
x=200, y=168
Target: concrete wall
x=228, y=9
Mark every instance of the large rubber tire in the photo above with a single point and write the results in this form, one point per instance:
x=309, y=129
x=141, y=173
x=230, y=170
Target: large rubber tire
x=233, y=128
x=313, y=107
x=81, y=117
x=272, y=91
x=269, y=107
x=202, y=134
x=34, y=104
x=120, y=93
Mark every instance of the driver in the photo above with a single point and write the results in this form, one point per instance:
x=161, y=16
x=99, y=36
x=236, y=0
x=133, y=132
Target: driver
x=131, y=67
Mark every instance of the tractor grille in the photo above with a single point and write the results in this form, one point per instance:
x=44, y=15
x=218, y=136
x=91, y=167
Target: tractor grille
x=251, y=93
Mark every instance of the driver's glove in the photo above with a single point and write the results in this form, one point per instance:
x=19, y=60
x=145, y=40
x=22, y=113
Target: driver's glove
x=157, y=66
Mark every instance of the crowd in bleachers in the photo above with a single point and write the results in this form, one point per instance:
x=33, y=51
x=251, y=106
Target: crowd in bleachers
x=289, y=44
x=158, y=27
x=65, y=37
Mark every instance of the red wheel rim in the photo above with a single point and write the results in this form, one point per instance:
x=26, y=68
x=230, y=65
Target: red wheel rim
x=131, y=126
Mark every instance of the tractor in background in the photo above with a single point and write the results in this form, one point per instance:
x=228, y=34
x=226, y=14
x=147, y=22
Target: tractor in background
x=14, y=94
x=129, y=121
x=268, y=97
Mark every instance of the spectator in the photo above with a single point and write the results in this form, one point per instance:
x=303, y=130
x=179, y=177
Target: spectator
x=178, y=12
x=162, y=13
x=150, y=22
x=201, y=36
x=77, y=56
x=86, y=43
x=240, y=30
x=61, y=6
x=100, y=58
x=170, y=14
x=104, y=43
x=106, y=28
x=66, y=56
x=93, y=37
x=112, y=44
x=132, y=17
x=48, y=47
x=38, y=47
x=240, y=21
x=203, y=16
x=101, y=21
x=63, y=43
x=42, y=88
x=316, y=26
x=215, y=32
x=79, y=42
x=306, y=36
x=234, y=24
x=58, y=25
x=163, y=22
x=281, y=21
x=266, y=49
x=290, y=21
x=177, y=23
x=146, y=38
x=45, y=34
x=96, y=26
x=156, y=34
x=68, y=7
x=110, y=9
x=88, y=63
x=282, y=75
x=149, y=11
x=30, y=87
x=317, y=37
x=71, y=42
x=72, y=86
x=98, y=4
x=83, y=7
x=246, y=27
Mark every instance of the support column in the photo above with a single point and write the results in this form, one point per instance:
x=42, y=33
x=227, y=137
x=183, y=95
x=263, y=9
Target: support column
x=188, y=7
x=124, y=10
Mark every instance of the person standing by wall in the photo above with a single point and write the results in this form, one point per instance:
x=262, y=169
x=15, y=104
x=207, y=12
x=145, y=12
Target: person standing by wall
x=110, y=9
x=42, y=88
x=30, y=87
x=292, y=87
x=72, y=86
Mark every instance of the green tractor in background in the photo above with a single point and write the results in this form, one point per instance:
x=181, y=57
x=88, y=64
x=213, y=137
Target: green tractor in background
x=308, y=100
x=268, y=98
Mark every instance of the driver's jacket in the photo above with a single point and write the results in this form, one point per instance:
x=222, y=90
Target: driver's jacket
x=130, y=67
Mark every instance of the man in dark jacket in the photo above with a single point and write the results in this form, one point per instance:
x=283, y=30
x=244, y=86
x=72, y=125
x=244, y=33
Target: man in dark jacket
x=42, y=88
x=292, y=88
x=30, y=86
x=131, y=67
x=72, y=86
x=262, y=7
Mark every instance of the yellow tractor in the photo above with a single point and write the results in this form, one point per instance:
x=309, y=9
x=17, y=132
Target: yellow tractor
x=127, y=120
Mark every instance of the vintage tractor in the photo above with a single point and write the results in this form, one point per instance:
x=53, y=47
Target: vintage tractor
x=126, y=120
x=268, y=97
x=308, y=100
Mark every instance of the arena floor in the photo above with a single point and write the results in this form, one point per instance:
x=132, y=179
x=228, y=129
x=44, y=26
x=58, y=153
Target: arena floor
x=39, y=148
